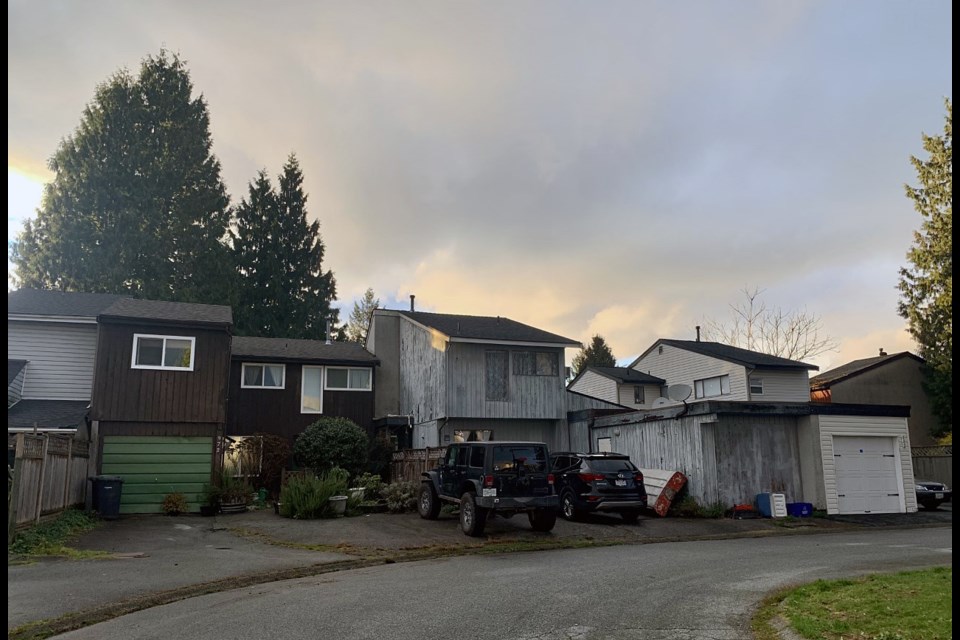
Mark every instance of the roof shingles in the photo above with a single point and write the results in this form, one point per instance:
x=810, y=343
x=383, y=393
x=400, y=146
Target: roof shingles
x=291, y=349
x=486, y=328
x=185, y=312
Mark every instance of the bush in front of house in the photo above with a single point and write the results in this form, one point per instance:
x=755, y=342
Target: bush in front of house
x=329, y=443
x=400, y=496
x=306, y=496
x=269, y=455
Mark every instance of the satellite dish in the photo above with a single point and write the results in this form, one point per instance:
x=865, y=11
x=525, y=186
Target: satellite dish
x=679, y=392
x=661, y=402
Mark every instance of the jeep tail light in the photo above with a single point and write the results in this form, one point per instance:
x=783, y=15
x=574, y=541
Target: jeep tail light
x=488, y=481
x=549, y=478
x=591, y=477
x=638, y=477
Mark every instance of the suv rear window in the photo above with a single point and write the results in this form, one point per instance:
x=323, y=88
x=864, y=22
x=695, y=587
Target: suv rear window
x=610, y=466
x=509, y=458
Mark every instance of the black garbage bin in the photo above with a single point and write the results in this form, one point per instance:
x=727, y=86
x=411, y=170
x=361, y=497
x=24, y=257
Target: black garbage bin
x=106, y=496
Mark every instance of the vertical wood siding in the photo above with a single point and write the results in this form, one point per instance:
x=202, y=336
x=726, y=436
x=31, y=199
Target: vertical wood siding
x=61, y=358
x=595, y=385
x=782, y=386
x=679, y=366
x=756, y=454
x=546, y=431
x=861, y=426
x=122, y=393
x=48, y=483
x=423, y=372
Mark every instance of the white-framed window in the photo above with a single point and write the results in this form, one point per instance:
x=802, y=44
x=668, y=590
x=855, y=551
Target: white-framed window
x=756, y=386
x=604, y=445
x=638, y=395
x=263, y=376
x=712, y=387
x=311, y=390
x=173, y=353
x=349, y=379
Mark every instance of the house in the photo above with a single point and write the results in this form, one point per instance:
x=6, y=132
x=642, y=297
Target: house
x=715, y=370
x=457, y=378
x=619, y=385
x=895, y=379
x=51, y=348
x=280, y=386
x=159, y=398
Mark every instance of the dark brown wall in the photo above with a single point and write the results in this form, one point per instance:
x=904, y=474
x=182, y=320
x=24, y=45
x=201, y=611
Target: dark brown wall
x=124, y=394
x=277, y=411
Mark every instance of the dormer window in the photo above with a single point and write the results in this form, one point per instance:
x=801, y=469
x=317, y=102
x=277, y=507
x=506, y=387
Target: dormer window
x=173, y=353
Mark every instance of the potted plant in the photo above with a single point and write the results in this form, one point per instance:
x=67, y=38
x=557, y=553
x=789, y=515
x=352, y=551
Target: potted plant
x=174, y=504
x=234, y=493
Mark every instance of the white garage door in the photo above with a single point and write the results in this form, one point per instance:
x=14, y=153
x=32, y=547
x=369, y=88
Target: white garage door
x=867, y=480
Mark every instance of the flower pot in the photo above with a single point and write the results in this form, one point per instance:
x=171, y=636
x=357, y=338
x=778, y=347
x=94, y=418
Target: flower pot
x=357, y=493
x=233, y=506
x=339, y=504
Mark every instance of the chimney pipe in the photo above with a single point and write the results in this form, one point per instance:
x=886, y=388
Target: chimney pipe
x=882, y=352
x=411, y=301
x=698, y=333
x=328, y=332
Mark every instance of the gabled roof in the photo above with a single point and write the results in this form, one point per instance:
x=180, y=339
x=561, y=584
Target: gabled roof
x=161, y=311
x=49, y=414
x=14, y=367
x=36, y=302
x=486, y=329
x=736, y=355
x=856, y=367
x=627, y=375
x=304, y=350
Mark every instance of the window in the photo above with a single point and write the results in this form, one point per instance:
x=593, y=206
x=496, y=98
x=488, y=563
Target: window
x=536, y=363
x=510, y=459
x=497, y=374
x=756, y=386
x=162, y=352
x=638, y=395
x=456, y=456
x=263, y=376
x=477, y=435
x=603, y=445
x=311, y=390
x=712, y=387
x=348, y=379
x=476, y=456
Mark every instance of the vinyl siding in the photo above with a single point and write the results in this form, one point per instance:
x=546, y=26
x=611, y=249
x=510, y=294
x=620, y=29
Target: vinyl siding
x=61, y=358
x=782, y=386
x=423, y=372
x=650, y=393
x=831, y=426
x=679, y=366
x=595, y=385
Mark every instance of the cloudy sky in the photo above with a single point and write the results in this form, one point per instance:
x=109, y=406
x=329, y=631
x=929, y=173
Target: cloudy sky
x=622, y=168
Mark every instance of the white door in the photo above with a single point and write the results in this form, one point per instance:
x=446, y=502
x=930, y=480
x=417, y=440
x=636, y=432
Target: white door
x=867, y=478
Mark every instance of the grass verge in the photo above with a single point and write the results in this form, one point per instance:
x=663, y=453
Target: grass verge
x=50, y=538
x=911, y=605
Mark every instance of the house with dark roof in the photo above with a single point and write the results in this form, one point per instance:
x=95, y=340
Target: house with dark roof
x=280, y=386
x=890, y=379
x=619, y=385
x=447, y=378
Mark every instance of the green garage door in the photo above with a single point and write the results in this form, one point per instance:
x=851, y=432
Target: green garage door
x=153, y=466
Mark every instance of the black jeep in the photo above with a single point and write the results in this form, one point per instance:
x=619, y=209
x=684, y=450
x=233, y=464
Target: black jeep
x=484, y=478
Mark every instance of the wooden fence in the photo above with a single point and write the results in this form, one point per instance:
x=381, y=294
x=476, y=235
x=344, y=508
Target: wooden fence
x=933, y=463
x=408, y=464
x=49, y=474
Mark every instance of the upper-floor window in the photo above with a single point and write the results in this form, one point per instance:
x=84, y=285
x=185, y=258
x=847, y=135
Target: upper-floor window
x=348, y=379
x=756, y=386
x=263, y=376
x=712, y=387
x=536, y=363
x=638, y=395
x=497, y=376
x=162, y=352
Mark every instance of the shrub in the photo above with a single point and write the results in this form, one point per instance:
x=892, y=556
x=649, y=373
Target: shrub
x=401, y=496
x=307, y=496
x=174, y=504
x=688, y=507
x=332, y=442
x=371, y=484
x=379, y=455
x=49, y=537
x=233, y=489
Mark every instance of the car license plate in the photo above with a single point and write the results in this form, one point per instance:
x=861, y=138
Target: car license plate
x=938, y=496
x=620, y=483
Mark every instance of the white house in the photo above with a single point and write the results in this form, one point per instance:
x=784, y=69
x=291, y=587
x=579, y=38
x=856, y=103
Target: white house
x=619, y=385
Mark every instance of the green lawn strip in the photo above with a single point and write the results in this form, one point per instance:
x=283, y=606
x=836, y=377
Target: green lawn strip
x=911, y=605
x=50, y=538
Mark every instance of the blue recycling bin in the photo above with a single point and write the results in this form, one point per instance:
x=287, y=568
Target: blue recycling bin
x=106, y=496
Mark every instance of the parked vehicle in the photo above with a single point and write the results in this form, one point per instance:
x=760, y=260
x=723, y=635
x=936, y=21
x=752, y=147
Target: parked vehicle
x=930, y=494
x=608, y=482
x=485, y=478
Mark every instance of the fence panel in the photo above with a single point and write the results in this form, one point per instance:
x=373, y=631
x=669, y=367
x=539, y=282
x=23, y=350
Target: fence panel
x=934, y=464
x=50, y=474
x=408, y=464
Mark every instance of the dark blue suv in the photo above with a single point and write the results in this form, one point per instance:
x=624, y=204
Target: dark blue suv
x=604, y=482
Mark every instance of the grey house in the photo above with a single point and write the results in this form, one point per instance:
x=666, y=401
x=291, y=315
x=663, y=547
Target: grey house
x=457, y=378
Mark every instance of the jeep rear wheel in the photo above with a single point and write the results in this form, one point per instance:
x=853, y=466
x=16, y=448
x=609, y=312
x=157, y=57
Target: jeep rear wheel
x=472, y=518
x=428, y=504
x=542, y=519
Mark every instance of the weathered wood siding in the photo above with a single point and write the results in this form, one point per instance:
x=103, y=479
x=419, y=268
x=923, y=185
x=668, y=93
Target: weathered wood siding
x=277, y=411
x=861, y=426
x=61, y=358
x=122, y=393
x=547, y=431
x=679, y=366
x=50, y=474
x=537, y=397
x=595, y=385
x=782, y=386
x=423, y=372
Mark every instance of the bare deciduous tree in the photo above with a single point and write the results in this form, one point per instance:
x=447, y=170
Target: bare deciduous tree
x=753, y=325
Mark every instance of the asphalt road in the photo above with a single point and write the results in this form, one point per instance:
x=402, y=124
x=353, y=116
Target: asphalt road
x=654, y=591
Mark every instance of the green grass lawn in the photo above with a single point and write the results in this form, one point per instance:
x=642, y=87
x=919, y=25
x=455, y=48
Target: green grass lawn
x=50, y=538
x=913, y=605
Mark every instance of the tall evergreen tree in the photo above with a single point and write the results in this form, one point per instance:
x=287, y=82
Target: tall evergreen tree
x=359, y=323
x=926, y=286
x=283, y=290
x=136, y=204
x=596, y=354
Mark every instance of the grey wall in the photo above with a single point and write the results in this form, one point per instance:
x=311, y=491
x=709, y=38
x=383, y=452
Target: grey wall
x=423, y=378
x=384, y=342
x=61, y=357
x=548, y=431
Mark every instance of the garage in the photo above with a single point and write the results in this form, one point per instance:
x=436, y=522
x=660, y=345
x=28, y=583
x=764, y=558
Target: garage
x=867, y=474
x=154, y=466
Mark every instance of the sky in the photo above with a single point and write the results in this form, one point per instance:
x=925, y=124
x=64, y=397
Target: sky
x=615, y=168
